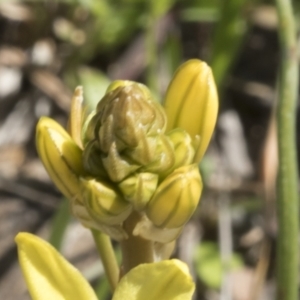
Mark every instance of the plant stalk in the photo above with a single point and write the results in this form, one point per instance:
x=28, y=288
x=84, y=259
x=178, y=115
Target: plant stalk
x=287, y=203
x=60, y=223
x=108, y=258
x=135, y=250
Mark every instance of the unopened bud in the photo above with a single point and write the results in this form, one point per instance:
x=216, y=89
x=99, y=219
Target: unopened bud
x=191, y=103
x=126, y=114
x=60, y=155
x=139, y=188
x=183, y=148
x=176, y=198
x=103, y=203
x=116, y=166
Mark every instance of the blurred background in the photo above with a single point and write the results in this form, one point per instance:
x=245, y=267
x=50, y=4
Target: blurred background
x=47, y=48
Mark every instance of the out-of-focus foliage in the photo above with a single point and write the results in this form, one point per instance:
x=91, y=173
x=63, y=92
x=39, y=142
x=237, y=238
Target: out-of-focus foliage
x=209, y=264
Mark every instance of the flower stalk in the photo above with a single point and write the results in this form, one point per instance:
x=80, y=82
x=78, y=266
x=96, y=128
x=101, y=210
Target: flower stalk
x=288, y=200
x=108, y=258
x=135, y=250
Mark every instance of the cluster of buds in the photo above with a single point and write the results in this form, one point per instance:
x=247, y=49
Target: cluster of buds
x=131, y=154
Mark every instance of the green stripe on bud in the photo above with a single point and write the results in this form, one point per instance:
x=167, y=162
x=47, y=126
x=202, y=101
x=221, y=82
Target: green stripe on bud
x=176, y=198
x=104, y=204
x=60, y=155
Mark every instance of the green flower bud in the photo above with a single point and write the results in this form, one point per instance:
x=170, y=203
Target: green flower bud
x=126, y=114
x=183, y=147
x=128, y=129
x=122, y=83
x=116, y=166
x=104, y=204
x=176, y=198
x=163, y=156
x=139, y=188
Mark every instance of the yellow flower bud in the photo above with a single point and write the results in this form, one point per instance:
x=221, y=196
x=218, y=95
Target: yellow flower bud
x=139, y=188
x=104, y=204
x=191, y=103
x=176, y=198
x=60, y=156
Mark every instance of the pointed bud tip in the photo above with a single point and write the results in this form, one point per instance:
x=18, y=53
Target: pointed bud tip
x=191, y=102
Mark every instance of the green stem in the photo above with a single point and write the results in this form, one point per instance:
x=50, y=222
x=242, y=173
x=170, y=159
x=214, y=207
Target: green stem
x=287, y=206
x=135, y=250
x=60, y=222
x=108, y=258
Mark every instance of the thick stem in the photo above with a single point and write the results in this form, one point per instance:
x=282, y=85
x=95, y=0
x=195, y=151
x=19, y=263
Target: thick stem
x=108, y=258
x=135, y=250
x=287, y=206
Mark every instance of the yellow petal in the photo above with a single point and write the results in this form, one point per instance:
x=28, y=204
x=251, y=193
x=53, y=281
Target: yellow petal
x=48, y=275
x=191, y=102
x=167, y=280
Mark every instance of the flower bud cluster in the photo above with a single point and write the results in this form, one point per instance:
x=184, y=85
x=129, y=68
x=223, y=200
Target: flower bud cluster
x=127, y=158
